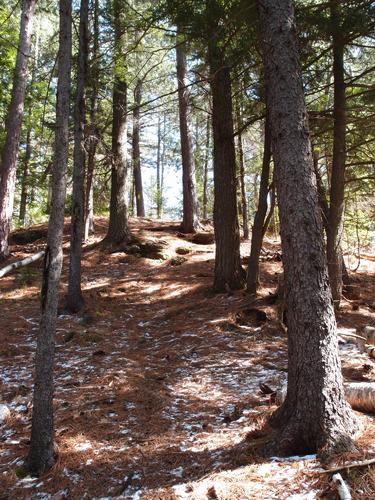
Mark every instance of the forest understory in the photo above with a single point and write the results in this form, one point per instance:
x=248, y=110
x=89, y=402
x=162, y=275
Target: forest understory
x=161, y=385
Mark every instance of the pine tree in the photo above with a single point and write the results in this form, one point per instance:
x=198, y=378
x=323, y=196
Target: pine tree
x=13, y=127
x=42, y=454
x=315, y=413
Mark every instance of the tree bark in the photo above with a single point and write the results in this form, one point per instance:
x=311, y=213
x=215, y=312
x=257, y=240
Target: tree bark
x=190, y=222
x=324, y=208
x=118, y=230
x=315, y=413
x=25, y=178
x=337, y=191
x=41, y=454
x=13, y=127
x=74, y=299
x=160, y=166
x=257, y=233
x=93, y=129
x=244, y=208
x=228, y=271
x=205, y=170
x=137, y=173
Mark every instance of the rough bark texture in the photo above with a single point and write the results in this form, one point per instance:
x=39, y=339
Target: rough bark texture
x=315, y=413
x=337, y=191
x=228, y=271
x=13, y=127
x=190, y=222
x=41, y=453
x=74, y=299
x=137, y=173
x=118, y=229
x=260, y=215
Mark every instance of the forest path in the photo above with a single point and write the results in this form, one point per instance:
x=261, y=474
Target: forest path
x=157, y=383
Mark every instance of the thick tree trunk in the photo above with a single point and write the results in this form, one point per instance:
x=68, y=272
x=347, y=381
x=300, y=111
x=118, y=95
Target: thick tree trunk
x=228, y=271
x=137, y=173
x=93, y=130
x=25, y=178
x=244, y=208
x=13, y=127
x=74, y=299
x=190, y=222
x=118, y=230
x=337, y=191
x=41, y=454
x=260, y=215
x=315, y=413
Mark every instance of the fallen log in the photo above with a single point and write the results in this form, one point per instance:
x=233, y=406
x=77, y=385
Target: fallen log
x=360, y=395
x=21, y=263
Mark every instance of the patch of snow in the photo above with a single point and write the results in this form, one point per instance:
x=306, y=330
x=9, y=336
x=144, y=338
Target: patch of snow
x=295, y=458
x=86, y=445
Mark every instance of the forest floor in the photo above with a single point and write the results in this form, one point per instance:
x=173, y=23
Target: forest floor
x=158, y=382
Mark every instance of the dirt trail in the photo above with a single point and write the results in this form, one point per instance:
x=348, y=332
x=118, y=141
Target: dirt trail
x=157, y=385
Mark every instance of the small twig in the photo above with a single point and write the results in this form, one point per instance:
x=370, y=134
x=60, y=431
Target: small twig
x=350, y=466
x=351, y=335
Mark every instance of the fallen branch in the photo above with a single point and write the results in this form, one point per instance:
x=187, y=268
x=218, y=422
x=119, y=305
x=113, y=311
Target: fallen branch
x=351, y=465
x=21, y=263
x=351, y=335
x=360, y=395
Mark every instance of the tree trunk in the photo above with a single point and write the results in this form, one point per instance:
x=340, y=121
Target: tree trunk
x=315, y=413
x=260, y=215
x=205, y=170
x=25, y=178
x=41, y=454
x=337, y=191
x=158, y=164
x=74, y=299
x=13, y=127
x=324, y=208
x=190, y=222
x=137, y=173
x=244, y=208
x=118, y=230
x=228, y=271
x=93, y=131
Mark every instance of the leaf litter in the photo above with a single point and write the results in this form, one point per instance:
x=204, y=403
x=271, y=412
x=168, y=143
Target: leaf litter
x=157, y=388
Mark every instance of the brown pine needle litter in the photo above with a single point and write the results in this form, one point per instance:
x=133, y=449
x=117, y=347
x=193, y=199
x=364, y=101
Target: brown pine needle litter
x=158, y=382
